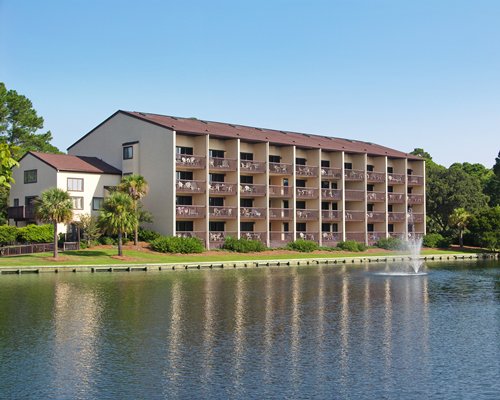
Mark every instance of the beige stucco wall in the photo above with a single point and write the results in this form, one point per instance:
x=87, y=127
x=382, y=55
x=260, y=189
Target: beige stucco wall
x=155, y=161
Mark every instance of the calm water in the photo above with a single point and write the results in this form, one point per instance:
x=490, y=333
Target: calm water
x=312, y=332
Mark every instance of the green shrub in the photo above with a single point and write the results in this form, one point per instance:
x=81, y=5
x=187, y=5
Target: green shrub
x=436, y=240
x=304, y=246
x=329, y=248
x=147, y=235
x=174, y=244
x=243, y=245
x=106, y=240
x=390, y=243
x=8, y=234
x=351, y=245
x=36, y=234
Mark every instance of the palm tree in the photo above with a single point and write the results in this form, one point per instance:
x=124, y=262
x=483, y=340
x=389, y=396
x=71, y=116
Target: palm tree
x=459, y=219
x=118, y=216
x=54, y=206
x=136, y=187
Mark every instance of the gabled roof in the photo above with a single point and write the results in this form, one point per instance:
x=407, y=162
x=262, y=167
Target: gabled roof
x=68, y=163
x=195, y=126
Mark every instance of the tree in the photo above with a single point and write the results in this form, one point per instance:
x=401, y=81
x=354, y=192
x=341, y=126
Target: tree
x=7, y=162
x=136, y=187
x=459, y=219
x=19, y=123
x=493, y=185
x=476, y=170
x=485, y=227
x=54, y=206
x=422, y=153
x=90, y=228
x=118, y=216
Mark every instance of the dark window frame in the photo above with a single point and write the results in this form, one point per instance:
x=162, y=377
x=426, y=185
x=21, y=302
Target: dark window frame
x=128, y=152
x=94, y=199
x=27, y=176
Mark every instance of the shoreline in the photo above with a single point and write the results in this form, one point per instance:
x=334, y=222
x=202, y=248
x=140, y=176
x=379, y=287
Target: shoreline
x=177, y=266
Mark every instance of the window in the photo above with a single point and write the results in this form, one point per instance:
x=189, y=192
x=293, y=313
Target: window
x=216, y=177
x=390, y=189
x=246, y=179
x=247, y=226
x=216, y=201
x=390, y=170
x=325, y=227
x=285, y=181
x=217, y=226
x=16, y=202
x=370, y=168
x=300, y=205
x=183, y=200
x=300, y=183
x=97, y=203
x=409, y=171
x=286, y=227
x=370, y=228
x=29, y=201
x=389, y=208
x=325, y=185
x=246, y=156
x=335, y=206
x=216, y=153
x=128, y=152
x=409, y=190
x=74, y=185
x=246, y=202
x=77, y=203
x=30, y=176
x=286, y=204
x=369, y=207
x=184, y=175
x=390, y=228
x=184, y=150
x=325, y=205
x=275, y=159
x=300, y=161
x=325, y=163
x=347, y=165
x=301, y=227
x=184, y=226
x=370, y=188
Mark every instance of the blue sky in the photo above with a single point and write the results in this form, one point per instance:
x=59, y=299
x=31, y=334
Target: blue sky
x=400, y=73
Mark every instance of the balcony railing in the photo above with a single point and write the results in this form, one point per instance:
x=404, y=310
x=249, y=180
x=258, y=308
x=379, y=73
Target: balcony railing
x=262, y=236
x=415, y=180
x=280, y=168
x=188, y=186
x=375, y=196
x=355, y=215
x=190, y=211
x=418, y=218
x=280, y=213
x=280, y=191
x=218, y=237
x=396, y=197
x=375, y=216
x=354, y=195
x=308, y=236
x=253, y=212
x=395, y=179
x=307, y=215
x=374, y=237
x=222, y=212
x=415, y=199
x=252, y=166
x=188, y=161
x=198, y=234
x=251, y=190
x=331, y=173
x=331, y=237
x=375, y=177
x=398, y=235
x=306, y=193
x=306, y=170
x=222, y=188
x=330, y=215
x=397, y=216
x=356, y=236
x=333, y=194
x=223, y=164
x=20, y=213
x=354, y=175
x=280, y=237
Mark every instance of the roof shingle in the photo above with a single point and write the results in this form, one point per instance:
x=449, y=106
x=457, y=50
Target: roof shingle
x=66, y=162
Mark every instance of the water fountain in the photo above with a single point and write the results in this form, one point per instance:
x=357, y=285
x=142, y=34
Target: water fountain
x=413, y=244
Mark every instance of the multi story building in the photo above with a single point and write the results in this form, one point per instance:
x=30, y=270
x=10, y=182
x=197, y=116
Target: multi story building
x=212, y=180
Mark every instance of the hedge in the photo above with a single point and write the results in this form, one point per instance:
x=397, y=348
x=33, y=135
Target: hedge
x=243, y=245
x=174, y=244
x=36, y=234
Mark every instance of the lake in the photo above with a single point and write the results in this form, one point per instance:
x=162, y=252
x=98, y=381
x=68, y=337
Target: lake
x=332, y=332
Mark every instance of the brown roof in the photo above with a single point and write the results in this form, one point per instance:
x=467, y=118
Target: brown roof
x=66, y=162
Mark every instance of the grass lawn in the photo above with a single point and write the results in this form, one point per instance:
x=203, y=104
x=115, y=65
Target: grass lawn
x=105, y=255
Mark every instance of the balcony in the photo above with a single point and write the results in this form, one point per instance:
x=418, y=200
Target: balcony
x=375, y=216
x=218, y=237
x=280, y=169
x=262, y=236
x=354, y=195
x=252, y=190
x=375, y=177
x=397, y=217
x=252, y=166
x=396, y=179
x=278, y=238
x=222, y=164
x=330, y=215
x=280, y=213
x=189, y=162
x=200, y=235
x=355, y=216
x=374, y=237
x=21, y=213
x=415, y=199
x=415, y=180
x=188, y=186
x=418, y=218
x=313, y=236
x=222, y=188
x=280, y=191
x=190, y=211
x=307, y=215
x=356, y=236
x=375, y=196
x=331, y=173
x=396, y=198
x=307, y=193
x=306, y=170
x=331, y=237
x=252, y=212
x=331, y=194
x=398, y=235
x=222, y=212
x=354, y=175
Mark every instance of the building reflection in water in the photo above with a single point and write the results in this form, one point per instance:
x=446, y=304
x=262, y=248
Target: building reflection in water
x=344, y=318
x=173, y=373
x=239, y=331
x=295, y=323
x=209, y=329
x=268, y=327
